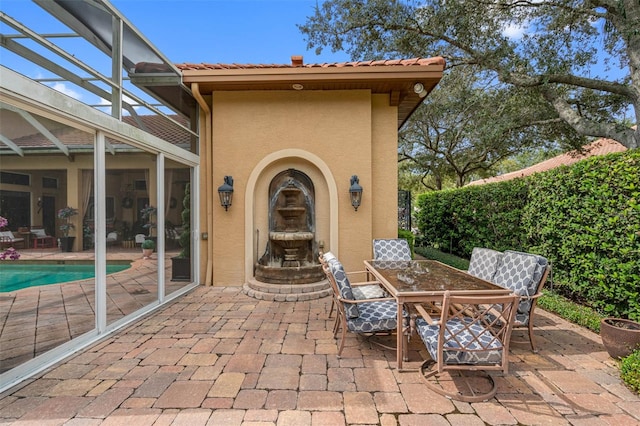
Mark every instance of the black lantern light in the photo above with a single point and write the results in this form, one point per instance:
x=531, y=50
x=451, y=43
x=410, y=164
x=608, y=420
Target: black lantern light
x=225, y=191
x=355, y=191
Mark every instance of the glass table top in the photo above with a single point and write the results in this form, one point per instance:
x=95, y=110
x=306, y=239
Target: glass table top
x=427, y=276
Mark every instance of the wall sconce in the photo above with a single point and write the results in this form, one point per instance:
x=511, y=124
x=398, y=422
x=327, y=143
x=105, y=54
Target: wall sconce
x=355, y=192
x=225, y=191
x=419, y=89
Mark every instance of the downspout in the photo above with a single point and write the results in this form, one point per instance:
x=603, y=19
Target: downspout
x=207, y=154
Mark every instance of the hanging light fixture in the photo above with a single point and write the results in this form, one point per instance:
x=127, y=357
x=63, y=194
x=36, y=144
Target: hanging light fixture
x=225, y=191
x=355, y=192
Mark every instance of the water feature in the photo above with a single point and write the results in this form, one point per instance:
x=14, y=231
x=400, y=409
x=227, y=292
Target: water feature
x=291, y=252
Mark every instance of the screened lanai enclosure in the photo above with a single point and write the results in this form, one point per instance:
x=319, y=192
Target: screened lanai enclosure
x=93, y=163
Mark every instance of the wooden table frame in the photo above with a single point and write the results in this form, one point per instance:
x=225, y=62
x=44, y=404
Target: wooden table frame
x=423, y=281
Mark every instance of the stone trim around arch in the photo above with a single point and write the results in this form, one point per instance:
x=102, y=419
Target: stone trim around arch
x=267, y=161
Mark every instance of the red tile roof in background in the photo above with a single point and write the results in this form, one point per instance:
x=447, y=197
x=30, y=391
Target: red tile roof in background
x=598, y=147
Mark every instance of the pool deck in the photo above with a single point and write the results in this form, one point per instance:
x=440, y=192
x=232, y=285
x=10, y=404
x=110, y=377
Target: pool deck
x=36, y=319
x=218, y=357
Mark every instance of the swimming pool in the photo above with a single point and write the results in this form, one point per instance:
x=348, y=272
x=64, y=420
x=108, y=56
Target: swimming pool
x=18, y=275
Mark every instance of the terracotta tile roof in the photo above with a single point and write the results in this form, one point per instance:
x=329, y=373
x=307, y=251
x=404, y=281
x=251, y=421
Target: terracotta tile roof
x=598, y=147
x=71, y=137
x=298, y=64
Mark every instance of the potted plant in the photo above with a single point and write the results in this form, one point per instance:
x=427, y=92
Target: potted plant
x=148, y=213
x=65, y=213
x=147, y=248
x=181, y=264
x=620, y=336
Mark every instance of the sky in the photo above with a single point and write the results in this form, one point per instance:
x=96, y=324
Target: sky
x=194, y=31
x=226, y=31
x=211, y=31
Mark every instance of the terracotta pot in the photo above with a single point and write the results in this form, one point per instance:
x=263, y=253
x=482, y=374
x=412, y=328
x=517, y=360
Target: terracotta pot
x=620, y=337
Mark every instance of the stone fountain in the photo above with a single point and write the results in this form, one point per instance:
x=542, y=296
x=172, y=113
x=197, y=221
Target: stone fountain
x=291, y=252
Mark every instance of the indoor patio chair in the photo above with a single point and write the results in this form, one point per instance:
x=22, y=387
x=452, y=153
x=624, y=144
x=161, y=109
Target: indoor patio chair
x=391, y=249
x=368, y=317
x=484, y=263
x=525, y=274
x=470, y=337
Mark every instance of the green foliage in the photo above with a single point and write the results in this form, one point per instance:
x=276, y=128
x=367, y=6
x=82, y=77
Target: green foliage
x=586, y=218
x=407, y=235
x=542, y=62
x=148, y=244
x=446, y=258
x=571, y=311
x=630, y=371
x=465, y=127
x=185, y=238
x=490, y=216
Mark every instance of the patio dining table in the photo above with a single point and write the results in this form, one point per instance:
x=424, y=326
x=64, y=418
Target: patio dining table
x=425, y=281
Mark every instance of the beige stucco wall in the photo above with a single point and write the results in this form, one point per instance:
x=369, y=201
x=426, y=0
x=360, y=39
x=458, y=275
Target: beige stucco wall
x=330, y=136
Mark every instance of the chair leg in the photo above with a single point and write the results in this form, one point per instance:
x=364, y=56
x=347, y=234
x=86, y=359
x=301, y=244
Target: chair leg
x=533, y=347
x=344, y=334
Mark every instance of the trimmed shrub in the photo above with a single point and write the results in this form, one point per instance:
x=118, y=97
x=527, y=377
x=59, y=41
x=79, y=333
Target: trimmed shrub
x=584, y=218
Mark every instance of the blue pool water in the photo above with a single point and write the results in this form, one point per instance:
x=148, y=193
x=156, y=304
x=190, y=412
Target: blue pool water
x=18, y=275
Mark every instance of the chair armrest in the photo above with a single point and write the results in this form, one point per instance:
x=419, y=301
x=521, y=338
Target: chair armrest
x=535, y=296
x=365, y=283
x=381, y=299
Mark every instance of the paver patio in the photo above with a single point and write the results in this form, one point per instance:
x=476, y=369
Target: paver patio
x=219, y=357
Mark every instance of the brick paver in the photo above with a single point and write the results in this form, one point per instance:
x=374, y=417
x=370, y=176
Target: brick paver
x=217, y=356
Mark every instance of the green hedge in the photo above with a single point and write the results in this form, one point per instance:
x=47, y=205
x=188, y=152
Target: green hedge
x=584, y=218
x=456, y=221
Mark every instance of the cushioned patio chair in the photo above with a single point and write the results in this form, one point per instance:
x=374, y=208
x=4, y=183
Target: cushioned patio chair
x=139, y=238
x=7, y=239
x=484, y=263
x=367, y=317
x=525, y=274
x=391, y=249
x=470, y=337
x=112, y=238
x=41, y=238
x=361, y=290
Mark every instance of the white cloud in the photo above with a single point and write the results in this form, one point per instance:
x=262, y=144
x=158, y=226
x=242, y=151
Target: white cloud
x=514, y=31
x=62, y=88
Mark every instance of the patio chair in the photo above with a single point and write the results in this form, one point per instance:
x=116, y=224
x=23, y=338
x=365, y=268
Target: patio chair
x=525, y=274
x=139, y=238
x=391, y=249
x=484, y=263
x=470, y=337
x=112, y=238
x=40, y=237
x=361, y=290
x=7, y=239
x=369, y=317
